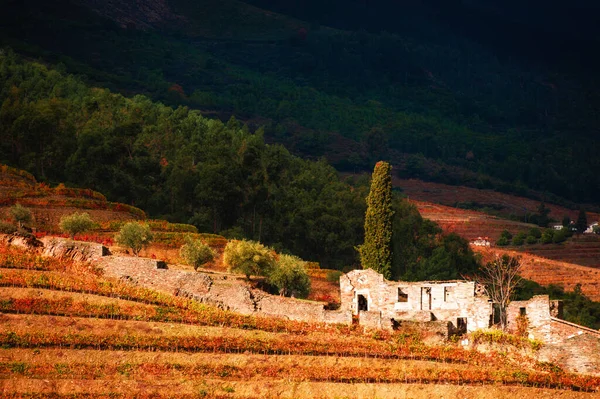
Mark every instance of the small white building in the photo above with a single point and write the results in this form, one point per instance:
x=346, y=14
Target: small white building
x=590, y=229
x=481, y=242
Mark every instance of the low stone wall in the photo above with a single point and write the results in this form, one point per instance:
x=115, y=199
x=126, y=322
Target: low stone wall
x=370, y=319
x=223, y=291
x=292, y=309
x=77, y=250
x=338, y=317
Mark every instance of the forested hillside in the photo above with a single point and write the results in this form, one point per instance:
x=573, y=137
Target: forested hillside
x=181, y=166
x=440, y=104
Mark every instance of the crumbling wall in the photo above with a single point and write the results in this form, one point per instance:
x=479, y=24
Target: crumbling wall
x=537, y=313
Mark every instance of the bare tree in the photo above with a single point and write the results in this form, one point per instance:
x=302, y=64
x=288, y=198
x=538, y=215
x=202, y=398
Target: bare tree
x=500, y=277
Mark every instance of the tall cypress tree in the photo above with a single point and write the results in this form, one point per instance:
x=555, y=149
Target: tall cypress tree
x=581, y=225
x=376, y=252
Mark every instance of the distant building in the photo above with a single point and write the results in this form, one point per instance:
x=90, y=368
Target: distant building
x=590, y=229
x=481, y=242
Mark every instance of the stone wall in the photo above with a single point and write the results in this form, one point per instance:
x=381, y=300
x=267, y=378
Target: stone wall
x=537, y=312
x=217, y=289
x=370, y=319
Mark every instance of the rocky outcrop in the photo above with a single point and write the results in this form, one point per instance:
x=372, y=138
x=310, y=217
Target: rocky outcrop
x=76, y=250
x=21, y=241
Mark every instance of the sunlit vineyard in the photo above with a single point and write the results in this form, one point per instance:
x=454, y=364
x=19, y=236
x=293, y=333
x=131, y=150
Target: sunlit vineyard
x=63, y=321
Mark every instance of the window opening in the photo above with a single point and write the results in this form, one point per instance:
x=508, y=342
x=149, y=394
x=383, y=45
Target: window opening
x=402, y=296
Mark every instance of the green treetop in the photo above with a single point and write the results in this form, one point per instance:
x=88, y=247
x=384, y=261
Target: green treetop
x=376, y=253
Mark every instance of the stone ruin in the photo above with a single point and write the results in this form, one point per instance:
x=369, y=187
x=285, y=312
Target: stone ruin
x=460, y=305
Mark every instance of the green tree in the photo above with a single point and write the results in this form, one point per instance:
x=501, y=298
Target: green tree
x=76, y=223
x=542, y=216
x=581, y=224
x=249, y=257
x=134, y=235
x=376, y=252
x=21, y=215
x=290, y=277
x=196, y=253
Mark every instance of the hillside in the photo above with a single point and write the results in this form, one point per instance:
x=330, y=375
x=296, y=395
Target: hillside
x=431, y=99
x=49, y=204
x=98, y=337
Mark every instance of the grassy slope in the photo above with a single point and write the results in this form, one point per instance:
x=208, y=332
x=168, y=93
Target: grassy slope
x=233, y=361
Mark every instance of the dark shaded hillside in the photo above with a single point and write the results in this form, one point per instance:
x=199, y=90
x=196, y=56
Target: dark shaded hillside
x=437, y=104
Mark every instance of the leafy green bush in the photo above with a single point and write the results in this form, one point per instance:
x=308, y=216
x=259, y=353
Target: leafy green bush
x=507, y=235
x=502, y=242
x=136, y=236
x=519, y=239
x=290, y=277
x=547, y=236
x=7, y=228
x=21, y=215
x=76, y=223
x=196, y=253
x=535, y=233
x=560, y=235
x=249, y=257
x=531, y=240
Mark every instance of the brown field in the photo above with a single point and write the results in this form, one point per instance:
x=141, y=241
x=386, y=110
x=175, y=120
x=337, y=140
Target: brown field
x=450, y=195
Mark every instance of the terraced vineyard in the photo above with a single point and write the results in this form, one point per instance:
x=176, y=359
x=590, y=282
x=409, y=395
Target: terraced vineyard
x=468, y=223
x=48, y=204
x=583, y=250
x=67, y=331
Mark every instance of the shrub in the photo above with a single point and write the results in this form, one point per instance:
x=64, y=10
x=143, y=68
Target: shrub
x=196, y=253
x=7, y=228
x=531, y=240
x=21, y=214
x=134, y=235
x=507, y=235
x=76, y=223
x=334, y=276
x=519, y=239
x=535, y=232
x=560, y=235
x=249, y=258
x=547, y=236
x=502, y=242
x=290, y=277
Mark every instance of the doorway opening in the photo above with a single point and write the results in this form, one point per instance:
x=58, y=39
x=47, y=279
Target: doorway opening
x=363, y=304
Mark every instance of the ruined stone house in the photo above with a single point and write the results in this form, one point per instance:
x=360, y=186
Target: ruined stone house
x=461, y=305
